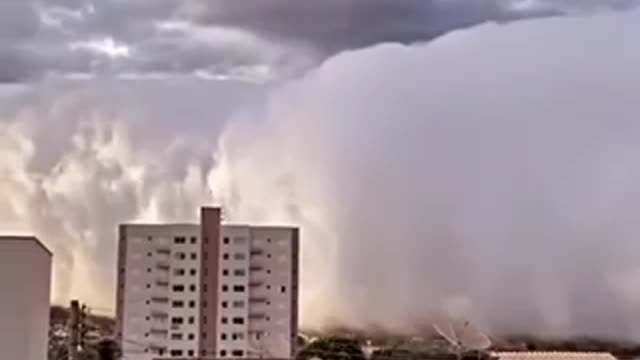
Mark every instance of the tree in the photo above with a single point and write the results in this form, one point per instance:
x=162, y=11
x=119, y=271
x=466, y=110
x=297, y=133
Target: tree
x=107, y=349
x=332, y=348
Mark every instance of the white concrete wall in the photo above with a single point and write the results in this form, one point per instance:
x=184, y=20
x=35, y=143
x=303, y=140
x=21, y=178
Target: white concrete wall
x=147, y=323
x=276, y=262
x=234, y=244
x=25, y=280
x=258, y=259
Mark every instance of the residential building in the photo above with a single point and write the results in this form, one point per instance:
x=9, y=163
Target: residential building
x=207, y=290
x=25, y=280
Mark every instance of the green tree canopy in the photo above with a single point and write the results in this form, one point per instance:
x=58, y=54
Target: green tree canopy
x=332, y=348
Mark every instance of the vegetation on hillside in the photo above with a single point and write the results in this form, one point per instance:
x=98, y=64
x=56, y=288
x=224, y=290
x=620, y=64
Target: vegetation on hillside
x=332, y=348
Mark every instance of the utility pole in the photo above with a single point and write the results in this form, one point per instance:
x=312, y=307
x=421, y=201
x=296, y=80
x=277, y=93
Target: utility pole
x=83, y=328
x=74, y=333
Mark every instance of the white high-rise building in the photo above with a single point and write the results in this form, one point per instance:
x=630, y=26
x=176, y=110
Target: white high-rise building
x=25, y=280
x=207, y=291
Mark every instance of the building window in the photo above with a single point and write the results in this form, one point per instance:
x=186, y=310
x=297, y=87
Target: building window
x=283, y=289
x=178, y=272
x=175, y=352
x=205, y=256
x=179, y=240
x=192, y=272
x=238, y=353
x=148, y=270
x=224, y=320
x=192, y=288
x=238, y=288
x=181, y=255
x=238, y=320
x=193, y=240
x=176, y=320
x=224, y=304
x=149, y=238
x=190, y=352
x=268, y=239
x=225, y=272
x=204, y=303
x=148, y=254
x=239, y=240
x=177, y=304
x=176, y=336
x=205, y=288
x=192, y=320
x=239, y=256
x=204, y=319
x=238, y=304
x=239, y=272
x=223, y=336
x=192, y=304
x=192, y=336
x=225, y=240
x=225, y=288
x=194, y=256
x=237, y=336
x=223, y=353
x=204, y=335
x=178, y=288
x=225, y=256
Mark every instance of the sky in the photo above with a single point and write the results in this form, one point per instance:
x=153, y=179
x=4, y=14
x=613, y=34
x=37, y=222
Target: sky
x=475, y=157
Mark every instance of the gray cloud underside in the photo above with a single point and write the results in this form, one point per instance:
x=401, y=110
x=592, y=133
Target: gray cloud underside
x=255, y=39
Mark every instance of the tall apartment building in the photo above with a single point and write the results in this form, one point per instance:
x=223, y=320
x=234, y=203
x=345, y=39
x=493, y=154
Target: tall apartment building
x=25, y=280
x=207, y=290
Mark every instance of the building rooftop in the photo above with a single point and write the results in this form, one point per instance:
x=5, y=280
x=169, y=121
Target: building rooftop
x=25, y=238
x=552, y=355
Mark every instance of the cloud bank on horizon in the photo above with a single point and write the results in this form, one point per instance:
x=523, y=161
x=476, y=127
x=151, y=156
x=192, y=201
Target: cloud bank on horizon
x=249, y=39
x=495, y=169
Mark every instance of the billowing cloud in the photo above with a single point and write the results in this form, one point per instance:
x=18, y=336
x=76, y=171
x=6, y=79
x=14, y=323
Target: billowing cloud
x=484, y=170
x=74, y=165
x=495, y=168
x=255, y=40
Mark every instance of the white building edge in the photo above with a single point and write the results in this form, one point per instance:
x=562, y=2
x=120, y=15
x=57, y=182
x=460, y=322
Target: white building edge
x=25, y=280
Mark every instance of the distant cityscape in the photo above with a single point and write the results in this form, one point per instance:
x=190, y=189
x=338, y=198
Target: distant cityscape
x=212, y=290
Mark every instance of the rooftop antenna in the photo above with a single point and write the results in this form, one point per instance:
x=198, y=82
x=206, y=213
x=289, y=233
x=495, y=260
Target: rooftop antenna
x=462, y=335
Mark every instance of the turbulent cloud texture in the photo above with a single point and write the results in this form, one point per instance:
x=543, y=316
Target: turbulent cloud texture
x=74, y=165
x=495, y=169
x=252, y=39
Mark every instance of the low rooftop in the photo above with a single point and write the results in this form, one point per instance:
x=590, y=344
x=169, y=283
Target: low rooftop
x=552, y=355
x=25, y=238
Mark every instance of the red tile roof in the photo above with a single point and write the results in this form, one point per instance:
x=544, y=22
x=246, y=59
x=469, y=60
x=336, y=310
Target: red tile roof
x=535, y=355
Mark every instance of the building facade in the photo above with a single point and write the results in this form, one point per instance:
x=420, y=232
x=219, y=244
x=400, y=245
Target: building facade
x=25, y=277
x=207, y=290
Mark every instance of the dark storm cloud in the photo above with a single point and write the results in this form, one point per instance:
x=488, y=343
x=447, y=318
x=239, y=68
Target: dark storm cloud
x=220, y=36
x=16, y=66
x=337, y=25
